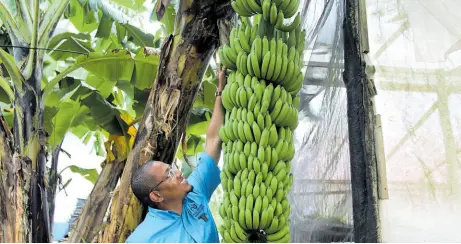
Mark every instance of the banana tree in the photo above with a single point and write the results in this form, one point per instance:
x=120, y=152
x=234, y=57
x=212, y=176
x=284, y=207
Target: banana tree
x=42, y=108
x=184, y=57
x=23, y=196
x=46, y=107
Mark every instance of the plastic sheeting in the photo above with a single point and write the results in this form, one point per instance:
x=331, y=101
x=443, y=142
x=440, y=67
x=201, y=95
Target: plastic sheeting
x=415, y=47
x=320, y=198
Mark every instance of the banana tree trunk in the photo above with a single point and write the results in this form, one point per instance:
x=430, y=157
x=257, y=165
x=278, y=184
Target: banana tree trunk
x=24, y=213
x=14, y=190
x=30, y=147
x=90, y=221
x=53, y=181
x=184, y=59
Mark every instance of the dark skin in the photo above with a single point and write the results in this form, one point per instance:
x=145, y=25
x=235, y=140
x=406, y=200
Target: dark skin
x=173, y=187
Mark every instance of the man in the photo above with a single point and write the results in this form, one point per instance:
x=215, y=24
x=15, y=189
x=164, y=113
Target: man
x=178, y=207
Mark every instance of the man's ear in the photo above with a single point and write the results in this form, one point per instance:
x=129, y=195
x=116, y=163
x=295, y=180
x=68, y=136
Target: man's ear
x=155, y=197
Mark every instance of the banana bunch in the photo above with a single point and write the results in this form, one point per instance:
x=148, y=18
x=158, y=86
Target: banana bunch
x=269, y=9
x=261, y=99
x=255, y=201
x=240, y=41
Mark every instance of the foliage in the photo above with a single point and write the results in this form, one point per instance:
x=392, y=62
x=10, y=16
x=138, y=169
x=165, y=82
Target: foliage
x=96, y=82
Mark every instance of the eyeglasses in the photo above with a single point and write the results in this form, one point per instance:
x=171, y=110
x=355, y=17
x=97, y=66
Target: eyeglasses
x=171, y=172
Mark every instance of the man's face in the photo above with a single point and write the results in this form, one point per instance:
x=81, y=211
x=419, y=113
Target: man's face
x=171, y=184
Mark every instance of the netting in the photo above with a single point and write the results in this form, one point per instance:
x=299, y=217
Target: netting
x=321, y=197
x=416, y=50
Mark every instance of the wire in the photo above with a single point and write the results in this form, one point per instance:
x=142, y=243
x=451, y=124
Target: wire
x=47, y=49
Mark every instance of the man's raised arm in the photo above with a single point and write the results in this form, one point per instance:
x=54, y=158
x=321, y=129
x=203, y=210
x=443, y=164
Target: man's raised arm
x=213, y=142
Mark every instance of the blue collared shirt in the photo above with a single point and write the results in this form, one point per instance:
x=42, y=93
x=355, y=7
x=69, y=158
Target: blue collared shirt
x=196, y=224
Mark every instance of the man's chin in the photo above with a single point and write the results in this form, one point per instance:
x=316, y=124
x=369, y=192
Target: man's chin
x=189, y=188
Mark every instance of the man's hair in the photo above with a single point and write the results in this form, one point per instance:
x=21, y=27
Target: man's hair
x=142, y=183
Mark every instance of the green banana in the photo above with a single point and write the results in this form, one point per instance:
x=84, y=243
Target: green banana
x=265, y=64
x=255, y=7
x=276, y=110
x=249, y=66
x=248, y=219
x=243, y=40
x=271, y=67
x=273, y=225
x=278, y=235
x=255, y=65
x=273, y=136
x=239, y=9
x=279, y=60
x=266, y=9
x=291, y=9
x=256, y=132
x=275, y=96
x=255, y=219
x=257, y=43
x=264, y=138
x=273, y=14
x=265, y=168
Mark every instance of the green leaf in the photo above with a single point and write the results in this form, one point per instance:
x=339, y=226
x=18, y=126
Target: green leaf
x=66, y=184
x=140, y=99
x=195, y=144
x=198, y=115
x=120, y=30
x=68, y=87
x=100, y=84
x=8, y=118
x=82, y=17
x=89, y=174
x=48, y=116
x=50, y=18
x=6, y=93
x=80, y=116
x=168, y=18
x=8, y=15
x=118, y=67
x=145, y=69
x=80, y=131
x=62, y=121
x=113, y=66
x=105, y=27
x=98, y=144
x=104, y=114
x=13, y=70
x=137, y=36
x=209, y=98
x=76, y=43
x=133, y=33
x=198, y=129
x=109, y=43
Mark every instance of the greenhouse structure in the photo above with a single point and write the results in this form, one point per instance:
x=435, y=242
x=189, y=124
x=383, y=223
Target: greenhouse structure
x=378, y=146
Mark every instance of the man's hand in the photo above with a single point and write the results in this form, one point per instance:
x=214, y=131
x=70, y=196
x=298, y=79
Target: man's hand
x=222, y=81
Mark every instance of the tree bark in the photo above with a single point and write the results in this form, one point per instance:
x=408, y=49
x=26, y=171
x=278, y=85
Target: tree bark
x=53, y=181
x=184, y=59
x=30, y=145
x=90, y=221
x=15, y=180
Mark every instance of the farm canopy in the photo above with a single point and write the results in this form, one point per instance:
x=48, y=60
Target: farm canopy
x=414, y=61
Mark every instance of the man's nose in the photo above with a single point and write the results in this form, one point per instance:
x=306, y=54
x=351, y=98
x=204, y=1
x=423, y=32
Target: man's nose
x=177, y=173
